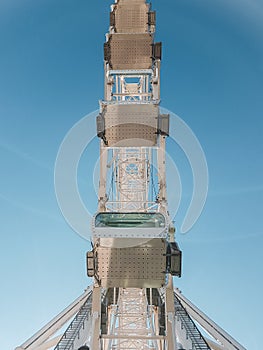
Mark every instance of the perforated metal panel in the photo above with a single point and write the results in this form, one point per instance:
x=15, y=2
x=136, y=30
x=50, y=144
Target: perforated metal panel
x=130, y=51
x=131, y=18
x=131, y=125
x=127, y=2
x=131, y=135
x=130, y=1
x=140, y=267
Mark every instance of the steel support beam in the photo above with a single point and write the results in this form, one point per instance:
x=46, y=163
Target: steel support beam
x=224, y=339
x=46, y=332
x=96, y=317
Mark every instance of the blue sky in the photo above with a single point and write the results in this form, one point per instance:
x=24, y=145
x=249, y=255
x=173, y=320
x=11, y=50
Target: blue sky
x=51, y=75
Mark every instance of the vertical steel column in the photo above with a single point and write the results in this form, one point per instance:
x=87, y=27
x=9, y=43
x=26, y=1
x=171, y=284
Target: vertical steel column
x=96, y=318
x=162, y=196
x=103, y=177
x=170, y=315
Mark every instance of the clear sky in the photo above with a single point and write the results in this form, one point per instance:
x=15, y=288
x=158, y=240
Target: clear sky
x=51, y=75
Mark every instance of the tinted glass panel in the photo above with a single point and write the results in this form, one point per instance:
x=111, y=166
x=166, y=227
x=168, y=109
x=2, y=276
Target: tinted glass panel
x=130, y=220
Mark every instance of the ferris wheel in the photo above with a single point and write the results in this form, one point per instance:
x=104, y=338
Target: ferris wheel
x=132, y=303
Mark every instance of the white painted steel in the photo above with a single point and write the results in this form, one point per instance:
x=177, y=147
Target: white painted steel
x=213, y=345
x=47, y=345
x=111, y=232
x=132, y=325
x=55, y=324
x=210, y=326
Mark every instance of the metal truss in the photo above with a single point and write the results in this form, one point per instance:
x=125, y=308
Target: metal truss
x=131, y=168
x=132, y=323
x=46, y=338
x=135, y=320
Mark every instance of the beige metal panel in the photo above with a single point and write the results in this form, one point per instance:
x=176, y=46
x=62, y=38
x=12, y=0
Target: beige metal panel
x=130, y=1
x=130, y=51
x=131, y=18
x=127, y=2
x=116, y=114
x=131, y=125
x=133, y=267
x=131, y=135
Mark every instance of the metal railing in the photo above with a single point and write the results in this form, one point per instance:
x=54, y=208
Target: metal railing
x=73, y=330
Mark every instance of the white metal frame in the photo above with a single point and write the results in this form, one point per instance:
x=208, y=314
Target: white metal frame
x=42, y=340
